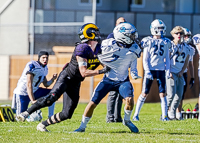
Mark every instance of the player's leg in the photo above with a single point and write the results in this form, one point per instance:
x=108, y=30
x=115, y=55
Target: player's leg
x=99, y=93
x=14, y=103
x=57, y=90
x=178, y=110
x=126, y=91
x=171, y=90
x=161, y=81
x=41, y=92
x=141, y=99
x=177, y=97
x=21, y=104
x=70, y=101
x=118, y=107
x=111, y=101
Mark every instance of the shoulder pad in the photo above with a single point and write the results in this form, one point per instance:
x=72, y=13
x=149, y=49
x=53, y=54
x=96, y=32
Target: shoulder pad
x=110, y=41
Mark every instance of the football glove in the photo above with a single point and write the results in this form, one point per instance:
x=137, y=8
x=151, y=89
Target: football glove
x=135, y=76
x=104, y=70
x=149, y=75
x=191, y=82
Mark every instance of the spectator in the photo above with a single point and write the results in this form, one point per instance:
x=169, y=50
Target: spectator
x=179, y=58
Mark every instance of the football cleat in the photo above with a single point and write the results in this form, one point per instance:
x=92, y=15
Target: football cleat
x=165, y=119
x=131, y=126
x=41, y=127
x=22, y=117
x=79, y=130
x=135, y=118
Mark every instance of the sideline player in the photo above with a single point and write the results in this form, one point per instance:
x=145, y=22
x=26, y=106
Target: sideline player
x=187, y=40
x=179, y=58
x=82, y=64
x=28, y=88
x=196, y=41
x=118, y=54
x=156, y=64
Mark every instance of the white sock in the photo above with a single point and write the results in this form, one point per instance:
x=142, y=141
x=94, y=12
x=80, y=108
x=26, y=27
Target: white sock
x=139, y=104
x=84, y=122
x=51, y=109
x=127, y=114
x=178, y=115
x=163, y=103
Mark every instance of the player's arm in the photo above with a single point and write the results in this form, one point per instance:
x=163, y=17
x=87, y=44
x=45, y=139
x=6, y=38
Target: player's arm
x=48, y=83
x=184, y=66
x=167, y=63
x=82, y=63
x=29, y=86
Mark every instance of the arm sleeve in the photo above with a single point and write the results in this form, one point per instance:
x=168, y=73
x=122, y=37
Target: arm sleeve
x=134, y=67
x=146, y=59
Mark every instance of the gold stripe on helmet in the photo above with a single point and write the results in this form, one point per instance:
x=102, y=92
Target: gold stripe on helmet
x=86, y=28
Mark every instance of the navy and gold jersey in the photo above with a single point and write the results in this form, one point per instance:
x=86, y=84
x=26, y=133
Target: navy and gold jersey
x=83, y=50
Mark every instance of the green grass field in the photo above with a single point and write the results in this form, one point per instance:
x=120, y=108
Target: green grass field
x=151, y=129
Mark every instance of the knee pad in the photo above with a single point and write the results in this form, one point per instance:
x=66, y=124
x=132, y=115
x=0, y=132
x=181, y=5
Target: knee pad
x=47, y=100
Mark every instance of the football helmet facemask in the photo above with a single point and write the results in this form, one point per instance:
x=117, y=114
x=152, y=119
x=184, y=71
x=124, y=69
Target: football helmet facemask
x=88, y=32
x=158, y=27
x=187, y=33
x=125, y=33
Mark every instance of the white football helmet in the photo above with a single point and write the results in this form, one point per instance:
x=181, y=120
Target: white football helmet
x=158, y=27
x=35, y=116
x=125, y=33
x=189, y=34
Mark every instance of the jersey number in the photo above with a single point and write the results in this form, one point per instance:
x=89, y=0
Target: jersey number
x=39, y=78
x=157, y=51
x=183, y=56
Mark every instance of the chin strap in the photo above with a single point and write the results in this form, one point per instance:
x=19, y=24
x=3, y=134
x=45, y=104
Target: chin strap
x=41, y=64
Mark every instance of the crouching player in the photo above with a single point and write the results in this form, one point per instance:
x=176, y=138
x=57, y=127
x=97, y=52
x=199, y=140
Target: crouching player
x=28, y=89
x=119, y=54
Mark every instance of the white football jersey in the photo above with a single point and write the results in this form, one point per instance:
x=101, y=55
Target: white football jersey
x=118, y=59
x=39, y=73
x=156, y=53
x=178, y=54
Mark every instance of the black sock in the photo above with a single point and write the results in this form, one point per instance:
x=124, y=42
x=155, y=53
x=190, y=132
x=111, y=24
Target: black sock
x=45, y=123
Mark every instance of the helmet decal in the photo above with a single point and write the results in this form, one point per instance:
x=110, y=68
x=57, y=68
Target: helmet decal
x=85, y=31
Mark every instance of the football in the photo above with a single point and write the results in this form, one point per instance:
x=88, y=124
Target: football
x=35, y=116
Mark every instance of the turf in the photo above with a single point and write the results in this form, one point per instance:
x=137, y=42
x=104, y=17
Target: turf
x=151, y=129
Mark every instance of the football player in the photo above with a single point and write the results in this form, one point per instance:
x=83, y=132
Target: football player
x=187, y=40
x=83, y=63
x=156, y=63
x=118, y=53
x=28, y=88
x=196, y=41
x=114, y=101
x=179, y=58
